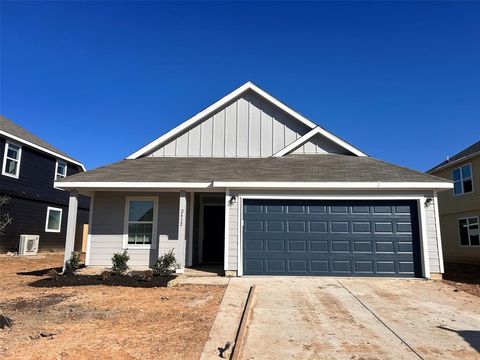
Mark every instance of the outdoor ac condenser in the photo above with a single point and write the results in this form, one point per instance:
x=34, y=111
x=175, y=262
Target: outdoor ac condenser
x=28, y=244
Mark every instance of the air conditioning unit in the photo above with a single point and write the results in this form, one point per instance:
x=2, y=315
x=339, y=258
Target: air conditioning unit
x=28, y=244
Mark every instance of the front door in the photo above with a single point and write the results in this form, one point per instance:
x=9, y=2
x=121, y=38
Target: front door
x=213, y=233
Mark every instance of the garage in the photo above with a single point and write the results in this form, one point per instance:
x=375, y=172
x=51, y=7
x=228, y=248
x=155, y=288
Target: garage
x=331, y=237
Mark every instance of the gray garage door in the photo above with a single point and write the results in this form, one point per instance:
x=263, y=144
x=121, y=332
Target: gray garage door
x=340, y=238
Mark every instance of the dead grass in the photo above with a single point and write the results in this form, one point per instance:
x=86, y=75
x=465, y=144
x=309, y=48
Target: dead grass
x=83, y=317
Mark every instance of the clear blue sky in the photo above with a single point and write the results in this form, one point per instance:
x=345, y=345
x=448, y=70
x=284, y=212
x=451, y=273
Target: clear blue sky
x=401, y=81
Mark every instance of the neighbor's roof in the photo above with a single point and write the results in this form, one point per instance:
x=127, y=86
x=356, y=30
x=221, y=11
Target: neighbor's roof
x=16, y=132
x=462, y=155
x=288, y=169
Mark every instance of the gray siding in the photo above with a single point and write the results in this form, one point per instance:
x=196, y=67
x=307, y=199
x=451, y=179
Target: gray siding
x=234, y=225
x=108, y=227
x=247, y=127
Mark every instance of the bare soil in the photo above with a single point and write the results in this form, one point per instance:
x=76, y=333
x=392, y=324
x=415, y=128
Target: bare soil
x=87, y=317
x=463, y=277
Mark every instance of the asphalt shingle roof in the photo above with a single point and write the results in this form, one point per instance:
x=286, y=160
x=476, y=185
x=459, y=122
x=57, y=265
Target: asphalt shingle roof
x=10, y=127
x=475, y=148
x=292, y=168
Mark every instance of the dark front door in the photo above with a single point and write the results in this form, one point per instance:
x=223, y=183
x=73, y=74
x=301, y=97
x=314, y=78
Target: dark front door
x=341, y=238
x=213, y=234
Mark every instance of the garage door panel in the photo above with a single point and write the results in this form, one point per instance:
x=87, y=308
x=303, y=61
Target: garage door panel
x=331, y=237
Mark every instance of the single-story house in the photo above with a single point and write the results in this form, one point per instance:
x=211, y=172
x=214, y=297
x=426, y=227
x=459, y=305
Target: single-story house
x=253, y=185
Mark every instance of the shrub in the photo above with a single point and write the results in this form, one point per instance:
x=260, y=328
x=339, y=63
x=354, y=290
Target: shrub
x=165, y=265
x=72, y=264
x=119, y=263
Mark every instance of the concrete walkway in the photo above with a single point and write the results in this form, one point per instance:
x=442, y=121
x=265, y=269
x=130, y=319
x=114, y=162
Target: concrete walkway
x=367, y=318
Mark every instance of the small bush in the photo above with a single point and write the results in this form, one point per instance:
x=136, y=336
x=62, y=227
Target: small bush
x=119, y=263
x=165, y=265
x=72, y=264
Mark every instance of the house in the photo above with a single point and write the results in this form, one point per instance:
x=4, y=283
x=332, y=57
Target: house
x=30, y=166
x=258, y=188
x=460, y=207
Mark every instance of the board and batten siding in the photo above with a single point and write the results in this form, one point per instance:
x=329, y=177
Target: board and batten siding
x=108, y=227
x=247, y=127
x=234, y=225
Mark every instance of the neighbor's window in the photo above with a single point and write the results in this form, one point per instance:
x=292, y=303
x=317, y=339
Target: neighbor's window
x=140, y=221
x=54, y=219
x=469, y=231
x=462, y=180
x=11, y=159
x=61, y=171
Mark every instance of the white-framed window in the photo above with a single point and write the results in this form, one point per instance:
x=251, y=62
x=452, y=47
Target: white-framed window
x=60, y=170
x=462, y=179
x=54, y=219
x=468, y=229
x=11, y=159
x=140, y=222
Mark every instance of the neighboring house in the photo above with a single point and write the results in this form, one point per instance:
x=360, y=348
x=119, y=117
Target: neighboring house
x=30, y=166
x=460, y=207
x=251, y=184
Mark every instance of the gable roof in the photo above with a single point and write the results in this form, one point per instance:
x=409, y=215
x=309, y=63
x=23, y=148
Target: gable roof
x=465, y=154
x=226, y=99
x=328, y=171
x=14, y=131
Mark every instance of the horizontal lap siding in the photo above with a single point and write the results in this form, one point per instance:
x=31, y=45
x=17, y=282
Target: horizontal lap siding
x=233, y=236
x=108, y=227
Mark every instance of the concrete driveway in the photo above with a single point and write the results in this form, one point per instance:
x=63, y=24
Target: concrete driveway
x=365, y=318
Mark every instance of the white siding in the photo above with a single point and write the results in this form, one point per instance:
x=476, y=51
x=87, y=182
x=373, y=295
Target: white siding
x=247, y=127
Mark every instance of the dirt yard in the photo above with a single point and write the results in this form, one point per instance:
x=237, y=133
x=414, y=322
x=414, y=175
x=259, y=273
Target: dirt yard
x=463, y=277
x=84, y=318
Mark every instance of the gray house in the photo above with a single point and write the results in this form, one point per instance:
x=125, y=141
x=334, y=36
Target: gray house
x=251, y=184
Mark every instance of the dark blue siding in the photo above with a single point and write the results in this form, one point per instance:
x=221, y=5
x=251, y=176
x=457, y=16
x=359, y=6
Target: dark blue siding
x=31, y=194
x=340, y=238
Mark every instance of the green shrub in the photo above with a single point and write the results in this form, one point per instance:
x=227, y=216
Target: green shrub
x=72, y=264
x=165, y=265
x=119, y=263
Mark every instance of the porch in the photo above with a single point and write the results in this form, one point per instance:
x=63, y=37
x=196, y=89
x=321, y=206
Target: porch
x=148, y=224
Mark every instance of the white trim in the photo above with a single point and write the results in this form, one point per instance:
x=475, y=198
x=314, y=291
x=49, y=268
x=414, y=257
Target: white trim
x=191, y=219
x=220, y=103
x=153, y=245
x=49, y=208
x=425, y=263
x=26, y=142
x=454, y=162
x=89, y=237
x=300, y=141
x=182, y=220
x=463, y=179
x=56, y=169
x=225, y=232
x=19, y=160
x=439, y=234
x=466, y=217
x=131, y=184
x=334, y=185
x=424, y=237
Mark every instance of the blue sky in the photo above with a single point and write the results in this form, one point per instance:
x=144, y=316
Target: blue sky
x=401, y=81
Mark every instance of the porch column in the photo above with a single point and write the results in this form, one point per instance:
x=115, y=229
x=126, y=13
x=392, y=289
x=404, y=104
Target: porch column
x=71, y=225
x=182, y=213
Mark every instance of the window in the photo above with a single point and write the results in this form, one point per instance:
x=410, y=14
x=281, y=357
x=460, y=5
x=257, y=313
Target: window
x=468, y=228
x=11, y=160
x=462, y=180
x=140, y=224
x=61, y=171
x=54, y=219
